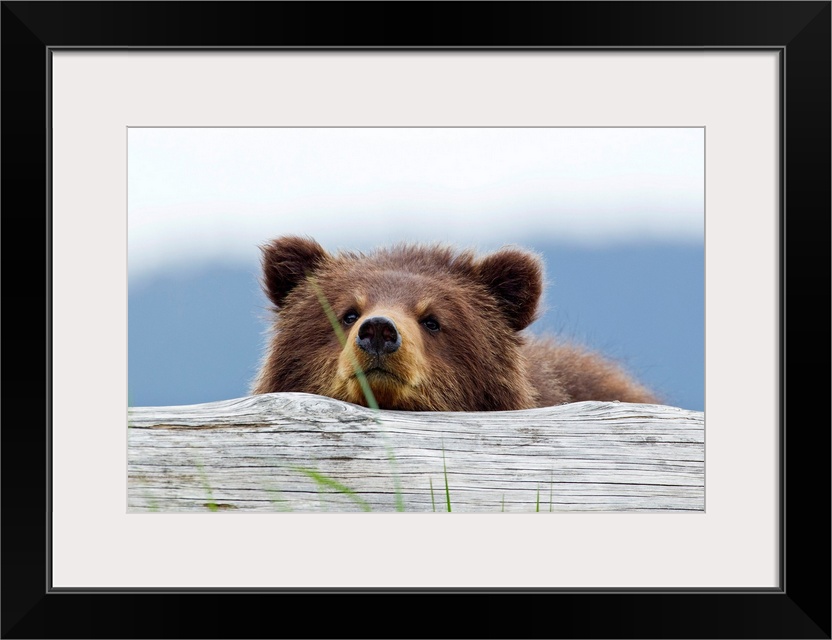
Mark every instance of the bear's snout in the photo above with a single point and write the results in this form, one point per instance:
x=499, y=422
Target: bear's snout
x=378, y=335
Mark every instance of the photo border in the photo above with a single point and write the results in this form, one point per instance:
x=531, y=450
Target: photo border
x=798, y=30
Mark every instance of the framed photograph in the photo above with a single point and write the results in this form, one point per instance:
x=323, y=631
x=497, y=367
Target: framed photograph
x=86, y=85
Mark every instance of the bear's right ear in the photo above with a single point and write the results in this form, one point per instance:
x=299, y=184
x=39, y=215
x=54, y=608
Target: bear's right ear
x=286, y=262
x=515, y=278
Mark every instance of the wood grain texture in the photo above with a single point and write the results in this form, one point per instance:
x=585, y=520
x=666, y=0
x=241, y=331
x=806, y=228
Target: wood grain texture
x=299, y=452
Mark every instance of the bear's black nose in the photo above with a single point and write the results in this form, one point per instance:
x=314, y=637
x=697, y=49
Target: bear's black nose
x=377, y=335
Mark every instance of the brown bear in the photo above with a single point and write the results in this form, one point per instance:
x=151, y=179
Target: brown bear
x=431, y=328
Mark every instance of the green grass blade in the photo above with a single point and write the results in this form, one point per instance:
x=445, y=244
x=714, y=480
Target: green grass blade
x=342, y=338
x=537, y=501
x=212, y=506
x=397, y=485
x=328, y=483
x=275, y=496
x=445, y=471
x=362, y=380
x=551, y=489
x=432, y=501
x=152, y=505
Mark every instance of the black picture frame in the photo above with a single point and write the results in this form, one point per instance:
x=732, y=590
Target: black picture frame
x=798, y=608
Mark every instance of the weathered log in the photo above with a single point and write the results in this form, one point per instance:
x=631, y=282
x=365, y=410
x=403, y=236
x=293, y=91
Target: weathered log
x=299, y=452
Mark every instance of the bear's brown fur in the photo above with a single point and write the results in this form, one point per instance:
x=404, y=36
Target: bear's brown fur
x=433, y=329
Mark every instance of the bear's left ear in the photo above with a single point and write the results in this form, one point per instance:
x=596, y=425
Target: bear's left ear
x=286, y=262
x=515, y=278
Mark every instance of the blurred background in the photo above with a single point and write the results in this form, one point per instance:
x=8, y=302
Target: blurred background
x=617, y=214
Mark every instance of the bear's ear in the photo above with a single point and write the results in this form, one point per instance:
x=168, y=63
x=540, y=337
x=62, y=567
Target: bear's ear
x=286, y=262
x=515, y=278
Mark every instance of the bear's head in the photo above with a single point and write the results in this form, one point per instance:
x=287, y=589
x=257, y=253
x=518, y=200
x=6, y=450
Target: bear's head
x=431, y=328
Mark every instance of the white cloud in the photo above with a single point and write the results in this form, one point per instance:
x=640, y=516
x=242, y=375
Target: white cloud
x=199, y=195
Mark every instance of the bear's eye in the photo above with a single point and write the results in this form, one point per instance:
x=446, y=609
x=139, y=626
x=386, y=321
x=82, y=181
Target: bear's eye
x=431, y=324
x=350, y=317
